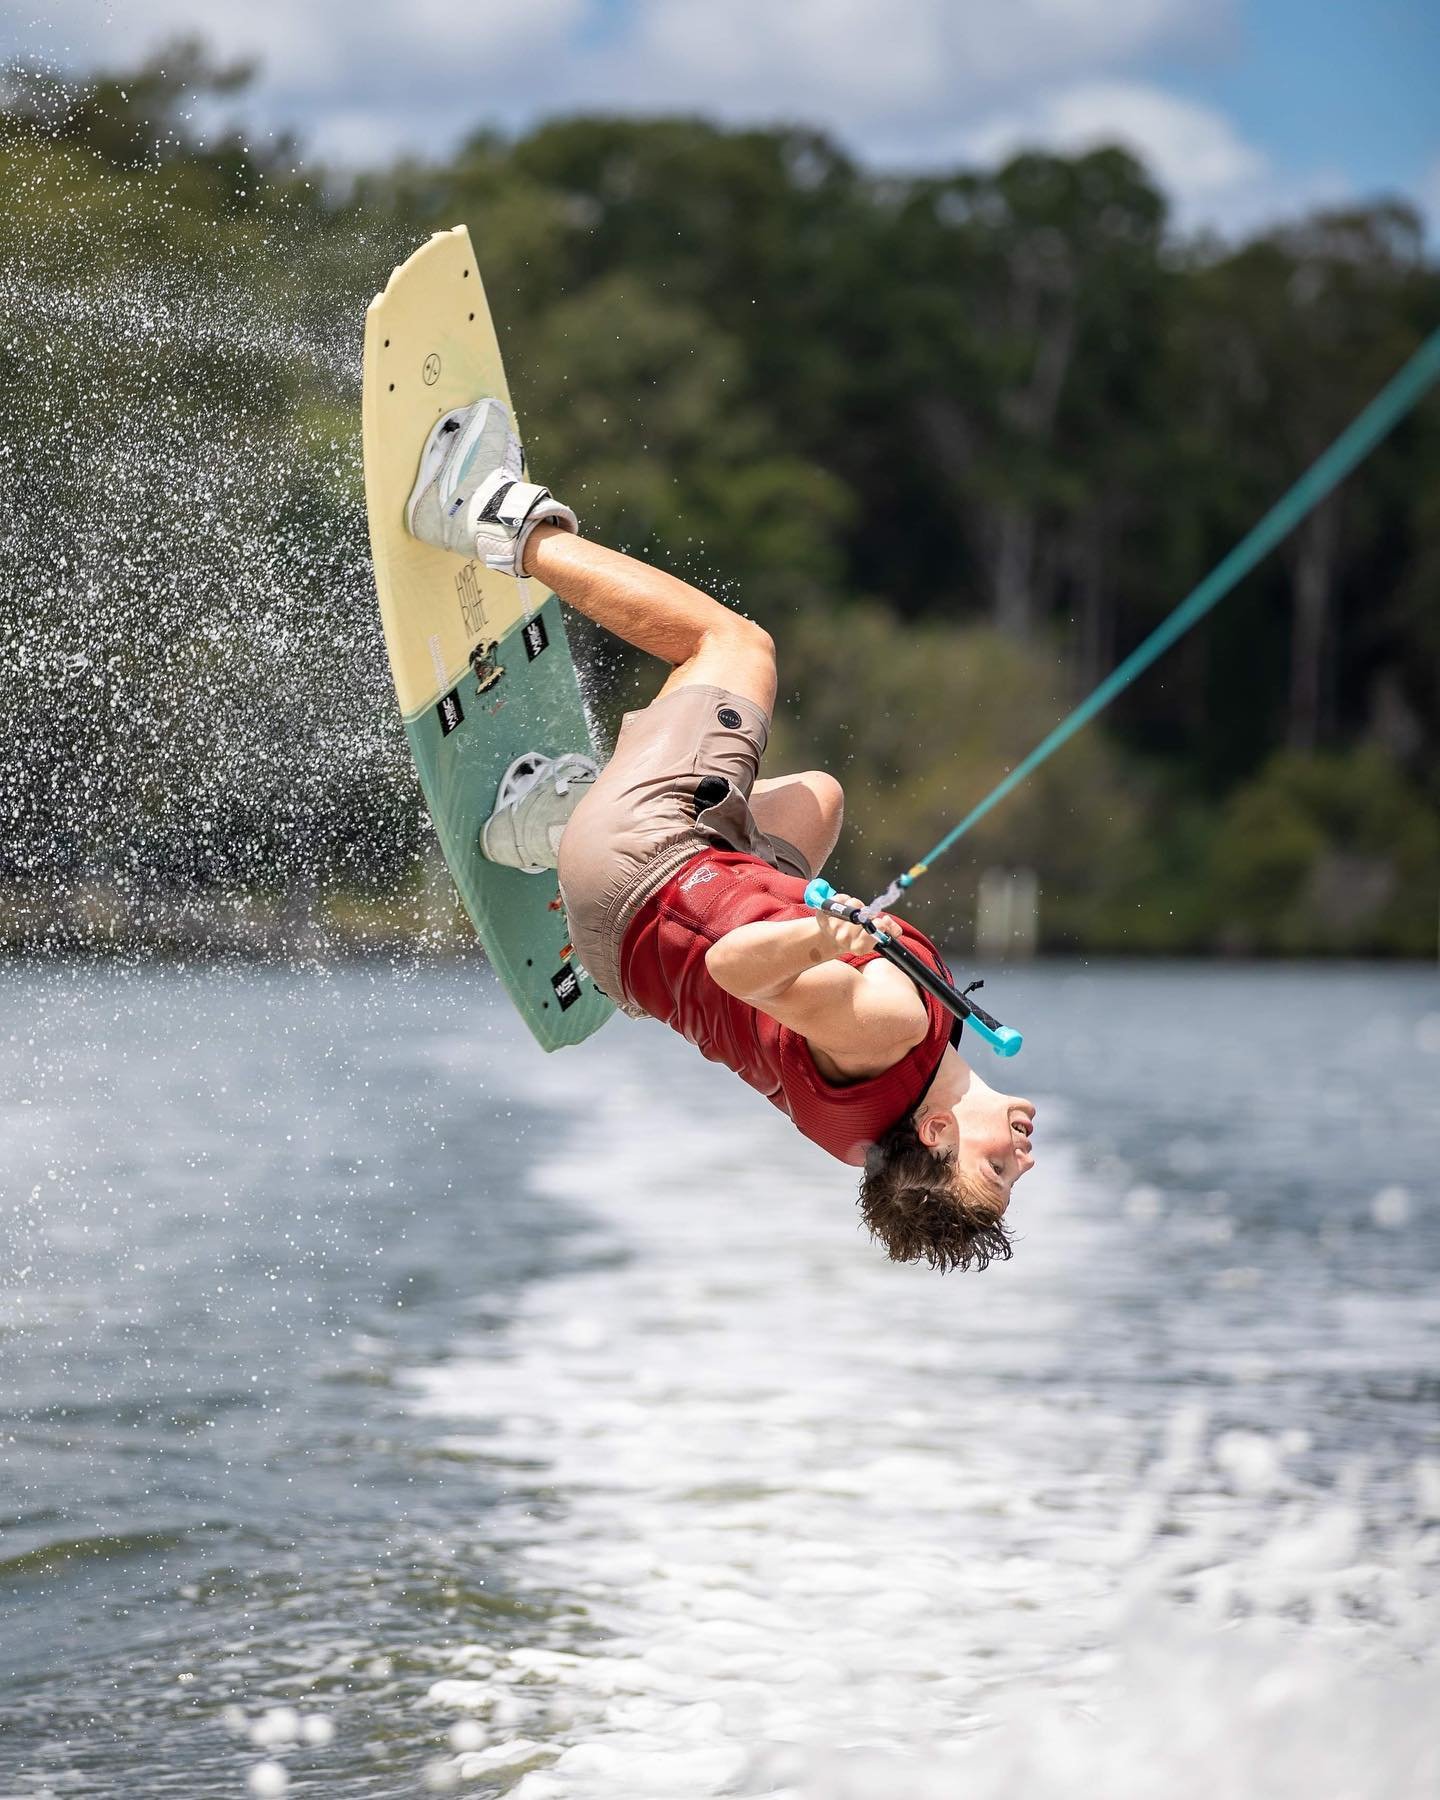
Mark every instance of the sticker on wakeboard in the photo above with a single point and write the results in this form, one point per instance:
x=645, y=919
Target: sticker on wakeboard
x=566, y=984
x=450, y=712
x=485, y=665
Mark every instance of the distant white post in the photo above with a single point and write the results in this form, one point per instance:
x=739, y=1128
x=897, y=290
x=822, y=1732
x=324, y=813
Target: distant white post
x=1007, y=914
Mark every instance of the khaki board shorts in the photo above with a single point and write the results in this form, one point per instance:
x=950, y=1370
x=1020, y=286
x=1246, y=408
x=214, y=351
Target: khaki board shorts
x=678, y=783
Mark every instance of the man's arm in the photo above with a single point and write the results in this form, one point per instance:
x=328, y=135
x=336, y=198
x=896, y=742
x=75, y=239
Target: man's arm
x=862, y=1020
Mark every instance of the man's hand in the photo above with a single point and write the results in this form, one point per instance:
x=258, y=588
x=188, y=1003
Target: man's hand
x=841, y=938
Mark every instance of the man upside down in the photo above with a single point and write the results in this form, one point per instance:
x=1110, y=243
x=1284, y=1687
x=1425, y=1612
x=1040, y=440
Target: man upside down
x=683, y=876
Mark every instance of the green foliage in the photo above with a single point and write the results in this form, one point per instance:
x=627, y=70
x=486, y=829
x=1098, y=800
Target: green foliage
x=1336, y=853
x=958, y=440
x=876, y=698
x=644, y=406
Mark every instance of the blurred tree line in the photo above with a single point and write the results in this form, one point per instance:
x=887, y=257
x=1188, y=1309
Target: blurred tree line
x=958, y=440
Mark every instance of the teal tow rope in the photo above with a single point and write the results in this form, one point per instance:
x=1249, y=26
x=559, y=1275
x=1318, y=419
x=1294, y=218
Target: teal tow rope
x=1352, y=446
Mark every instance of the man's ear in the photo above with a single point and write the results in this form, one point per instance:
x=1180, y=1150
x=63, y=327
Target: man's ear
x=930, y=1127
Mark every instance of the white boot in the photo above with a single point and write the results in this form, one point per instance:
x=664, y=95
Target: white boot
x=537, y=796
x=469, y=497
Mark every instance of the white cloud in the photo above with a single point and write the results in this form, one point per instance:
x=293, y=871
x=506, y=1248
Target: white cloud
x=116, y=32
x=866, y=69
x=321, y=52
x=1210, y=173
x=357, y=137
x=358, y=79
x=1193, y=150
x=875, y=70
x=909, y=83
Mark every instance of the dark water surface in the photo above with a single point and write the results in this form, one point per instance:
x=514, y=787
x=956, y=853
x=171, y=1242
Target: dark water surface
x=359, y=1360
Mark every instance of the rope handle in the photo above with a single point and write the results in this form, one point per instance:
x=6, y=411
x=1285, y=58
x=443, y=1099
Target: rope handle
x=1004, y=1040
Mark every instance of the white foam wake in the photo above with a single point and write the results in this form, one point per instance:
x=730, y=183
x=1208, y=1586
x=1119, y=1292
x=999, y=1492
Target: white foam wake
x=839, y=1528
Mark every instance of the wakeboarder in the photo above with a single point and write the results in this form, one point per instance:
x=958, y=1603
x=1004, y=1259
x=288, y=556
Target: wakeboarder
x=683, y=874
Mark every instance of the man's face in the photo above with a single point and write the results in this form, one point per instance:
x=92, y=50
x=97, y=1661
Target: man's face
x=990, y=1133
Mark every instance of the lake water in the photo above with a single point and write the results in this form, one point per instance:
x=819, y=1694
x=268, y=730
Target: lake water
x=390, y=1409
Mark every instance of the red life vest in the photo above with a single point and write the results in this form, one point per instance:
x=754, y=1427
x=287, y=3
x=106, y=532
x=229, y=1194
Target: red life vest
x=662, y=965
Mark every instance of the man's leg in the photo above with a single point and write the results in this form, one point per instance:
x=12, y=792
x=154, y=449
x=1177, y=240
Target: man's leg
x=805, y=810
x=705, y=643
x=470, y=497
x=683, y=766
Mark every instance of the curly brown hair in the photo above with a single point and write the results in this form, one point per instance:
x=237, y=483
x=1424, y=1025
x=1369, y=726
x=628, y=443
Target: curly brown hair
x=919, y=1207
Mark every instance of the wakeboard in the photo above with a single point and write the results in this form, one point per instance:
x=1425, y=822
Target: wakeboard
x=482, y=667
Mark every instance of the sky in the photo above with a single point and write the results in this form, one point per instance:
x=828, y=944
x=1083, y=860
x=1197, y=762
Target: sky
x=1246, y=110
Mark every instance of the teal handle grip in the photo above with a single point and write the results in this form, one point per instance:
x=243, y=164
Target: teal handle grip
x=818, y=894
x=1004, y=1040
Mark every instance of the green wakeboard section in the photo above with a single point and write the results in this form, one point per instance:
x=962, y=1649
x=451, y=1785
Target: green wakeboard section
x=462, y=745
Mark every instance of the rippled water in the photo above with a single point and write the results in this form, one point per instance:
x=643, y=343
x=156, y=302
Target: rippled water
x=545, y=1426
